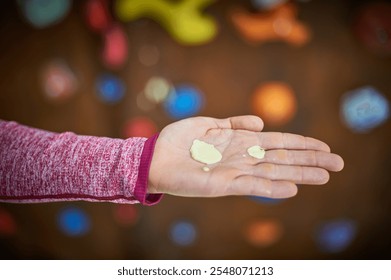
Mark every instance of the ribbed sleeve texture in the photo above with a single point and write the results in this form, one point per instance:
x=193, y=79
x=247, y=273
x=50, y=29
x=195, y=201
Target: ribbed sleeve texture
x=41, y=166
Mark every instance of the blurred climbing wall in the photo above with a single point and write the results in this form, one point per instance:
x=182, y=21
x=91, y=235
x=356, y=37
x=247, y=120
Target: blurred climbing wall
x=106, y=68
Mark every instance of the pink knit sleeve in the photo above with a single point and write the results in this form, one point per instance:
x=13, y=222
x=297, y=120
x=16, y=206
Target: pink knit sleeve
x=41, y=166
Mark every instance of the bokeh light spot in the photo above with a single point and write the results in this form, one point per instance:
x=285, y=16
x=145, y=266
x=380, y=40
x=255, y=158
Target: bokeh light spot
x=267, y=4
x=125, y=214
x=364, y=109
x=139, y=127
x=274, y=102
x=143, y=103
x=73, y=221
x=110, y=88
x=266, y=200
x=372, y=26
x=183, y=102
x=42, y=13
x=148, y=55
x=59, y=82
x=7, y=223
x=97, y=14
x=157, y=89
x=264, y=232
x=115, y=51
x=183, y=233
x=335, y=236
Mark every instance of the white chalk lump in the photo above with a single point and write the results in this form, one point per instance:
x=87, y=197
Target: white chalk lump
x=204, y=152
x=256, y=152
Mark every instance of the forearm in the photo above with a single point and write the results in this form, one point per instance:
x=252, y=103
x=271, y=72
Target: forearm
x=40, y=166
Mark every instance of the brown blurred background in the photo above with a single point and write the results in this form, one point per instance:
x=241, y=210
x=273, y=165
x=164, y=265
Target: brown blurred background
x=226, y=70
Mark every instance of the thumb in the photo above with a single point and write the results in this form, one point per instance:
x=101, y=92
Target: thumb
x=249, y=122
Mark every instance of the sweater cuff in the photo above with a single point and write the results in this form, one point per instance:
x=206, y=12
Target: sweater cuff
x=140, y=191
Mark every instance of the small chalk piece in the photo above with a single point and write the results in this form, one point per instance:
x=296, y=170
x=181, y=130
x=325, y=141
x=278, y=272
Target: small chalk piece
x=206, y=168
x=256, y=152
x=204, y=152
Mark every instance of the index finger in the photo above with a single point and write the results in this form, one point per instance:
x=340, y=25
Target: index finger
x=279, y=140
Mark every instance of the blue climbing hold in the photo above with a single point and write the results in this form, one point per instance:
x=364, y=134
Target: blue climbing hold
x=183, y=101
x=364, y=109
x=183, y=233
x=73, y=221
x=335, y=236
x=110, y=88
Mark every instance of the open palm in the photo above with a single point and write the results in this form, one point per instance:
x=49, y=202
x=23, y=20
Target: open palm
x=289, y=160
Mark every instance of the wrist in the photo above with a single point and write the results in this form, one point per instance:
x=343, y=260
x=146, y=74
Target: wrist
x=143, y=192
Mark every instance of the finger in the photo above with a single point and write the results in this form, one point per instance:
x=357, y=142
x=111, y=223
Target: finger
x=329, y=161
x=278, y=140
x=251, y=185
x=249, y=122
x=296, y=174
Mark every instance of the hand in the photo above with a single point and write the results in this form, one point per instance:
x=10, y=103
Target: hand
x=289, y=160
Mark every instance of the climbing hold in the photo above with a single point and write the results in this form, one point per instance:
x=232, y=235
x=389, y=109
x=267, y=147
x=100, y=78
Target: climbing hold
x=97, y=15
x=183, y=233
x=43, y=13
x=364, y=109
x=73, y=221
x=274, y=102
x=115, y=50
x=336, y=235
x=58, y=81
x=184, y=20
x=139, y=127
x=279, y=24
x=183, y=102
x=110, y=88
